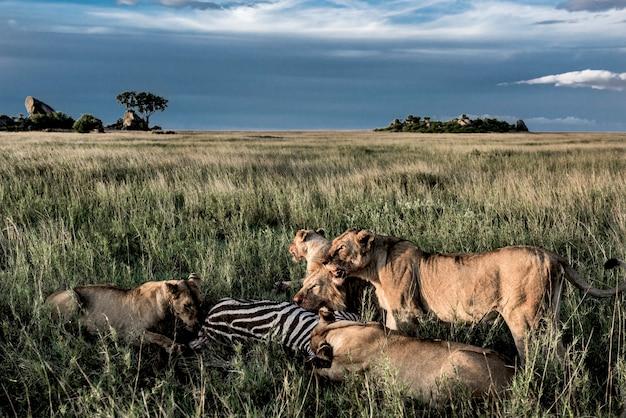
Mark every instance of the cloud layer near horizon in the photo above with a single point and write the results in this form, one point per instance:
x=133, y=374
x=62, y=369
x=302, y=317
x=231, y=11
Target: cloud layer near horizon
x=321, y=63
x=595, y=79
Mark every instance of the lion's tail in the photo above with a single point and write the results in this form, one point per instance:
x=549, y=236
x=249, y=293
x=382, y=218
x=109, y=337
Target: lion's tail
x=574, y=278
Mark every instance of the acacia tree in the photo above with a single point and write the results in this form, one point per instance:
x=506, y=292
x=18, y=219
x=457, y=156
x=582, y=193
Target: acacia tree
x=144, y=103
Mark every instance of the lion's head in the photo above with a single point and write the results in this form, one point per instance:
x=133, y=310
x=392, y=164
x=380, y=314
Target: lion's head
x=349, y=253
x=184, y=300
x=304, y=240
x=319, y=289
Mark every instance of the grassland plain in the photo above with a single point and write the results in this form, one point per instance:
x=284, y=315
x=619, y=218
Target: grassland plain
x=126, y=208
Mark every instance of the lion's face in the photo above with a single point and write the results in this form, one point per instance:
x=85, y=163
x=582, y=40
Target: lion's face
x=301, y=242
x=185, y=300
x=319, y=289
x=349, y=252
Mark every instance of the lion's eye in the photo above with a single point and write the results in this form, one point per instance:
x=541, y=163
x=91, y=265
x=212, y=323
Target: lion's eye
x=189, y=307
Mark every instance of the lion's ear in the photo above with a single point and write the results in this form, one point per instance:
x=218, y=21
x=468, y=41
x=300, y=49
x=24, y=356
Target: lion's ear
x=194, y=282
x=320, y=231
x=326, y=315
x=323, y=356
x=365, y=239
x=303, y=234
x=173, y=288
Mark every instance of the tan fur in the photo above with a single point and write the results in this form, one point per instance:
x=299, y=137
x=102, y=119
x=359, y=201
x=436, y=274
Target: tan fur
x=145, y=311
x=307, y=245
x=317, y=288
x=425, y=368
x=520, y=283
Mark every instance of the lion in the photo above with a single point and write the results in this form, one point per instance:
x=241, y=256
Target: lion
x=146, y=311
x=317, y=287
x=521, y=283
x=308, y=245
x=428, y=369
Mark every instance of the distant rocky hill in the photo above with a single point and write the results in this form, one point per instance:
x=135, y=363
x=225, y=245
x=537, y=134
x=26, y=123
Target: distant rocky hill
x=462, y=124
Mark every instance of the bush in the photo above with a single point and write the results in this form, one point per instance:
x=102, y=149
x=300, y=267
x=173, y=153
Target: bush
x=87, y=123
x=118, y=125
x=56, y=120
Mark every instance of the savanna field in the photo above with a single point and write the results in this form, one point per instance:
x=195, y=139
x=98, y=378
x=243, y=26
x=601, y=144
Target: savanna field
x=127, y=208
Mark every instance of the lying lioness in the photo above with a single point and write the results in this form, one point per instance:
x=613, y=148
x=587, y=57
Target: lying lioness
x=425, y=368
x=147, y=310
x=310, y=246
x=519, y=283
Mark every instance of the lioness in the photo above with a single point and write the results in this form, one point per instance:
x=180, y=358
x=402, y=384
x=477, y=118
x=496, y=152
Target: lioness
x=519, y=283
x=318, y=287
x=424, y=367
x=310, y=246
x=146, y=310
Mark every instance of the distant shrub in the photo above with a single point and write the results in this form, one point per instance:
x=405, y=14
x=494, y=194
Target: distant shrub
x=118, y=125
x=6, y=123
x=87, y=123
x=56, y=120
x=460, y=125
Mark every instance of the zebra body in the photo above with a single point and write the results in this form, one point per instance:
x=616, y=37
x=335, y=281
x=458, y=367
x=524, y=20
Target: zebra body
x=236, y=320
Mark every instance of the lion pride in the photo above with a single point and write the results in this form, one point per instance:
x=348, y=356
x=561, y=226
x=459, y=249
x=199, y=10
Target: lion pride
x=522, y=283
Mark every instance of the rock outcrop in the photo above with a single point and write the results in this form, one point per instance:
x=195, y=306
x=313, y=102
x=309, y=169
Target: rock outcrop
x=132, y=122
x=37, y=107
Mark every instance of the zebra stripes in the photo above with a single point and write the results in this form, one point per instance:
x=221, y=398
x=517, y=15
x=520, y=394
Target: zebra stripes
x=236, y=320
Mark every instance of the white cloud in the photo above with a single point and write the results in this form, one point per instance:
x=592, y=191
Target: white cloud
x=564, y=121
x=595, y=79
x=483, y=21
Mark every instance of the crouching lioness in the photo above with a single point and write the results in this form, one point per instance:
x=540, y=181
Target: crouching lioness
x=149, y=310
x=427, y=369
x=522, y=284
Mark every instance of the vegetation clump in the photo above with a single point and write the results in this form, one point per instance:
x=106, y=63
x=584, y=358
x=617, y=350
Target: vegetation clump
x=88, y=123
x=462, y=124
x=52, y=121
x=143, y=103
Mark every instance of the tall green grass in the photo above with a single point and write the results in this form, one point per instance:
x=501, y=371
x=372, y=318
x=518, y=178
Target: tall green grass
x=128, y=208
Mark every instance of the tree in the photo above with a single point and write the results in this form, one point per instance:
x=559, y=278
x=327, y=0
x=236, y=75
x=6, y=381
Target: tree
x=88, y=123
x=144, y=103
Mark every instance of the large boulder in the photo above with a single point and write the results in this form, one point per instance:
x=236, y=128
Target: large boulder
x=132, y=122
x=37, y=107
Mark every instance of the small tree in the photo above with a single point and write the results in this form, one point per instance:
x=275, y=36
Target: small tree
x=144, y=103
x=88, y=123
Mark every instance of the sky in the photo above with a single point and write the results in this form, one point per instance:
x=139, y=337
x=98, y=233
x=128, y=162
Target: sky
x=560, y=65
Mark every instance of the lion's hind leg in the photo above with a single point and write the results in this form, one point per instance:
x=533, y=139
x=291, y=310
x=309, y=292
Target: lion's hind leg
x=65, y=304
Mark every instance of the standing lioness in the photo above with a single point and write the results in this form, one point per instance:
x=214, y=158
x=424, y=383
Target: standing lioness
x=148, y=310
x=520, y=283
x=424, y=367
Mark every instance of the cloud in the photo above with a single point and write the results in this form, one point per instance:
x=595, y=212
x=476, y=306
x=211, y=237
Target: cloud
x=195, y=4
x=592, y=5
x=564, y=121
x=595, y=79
x=430, y=20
